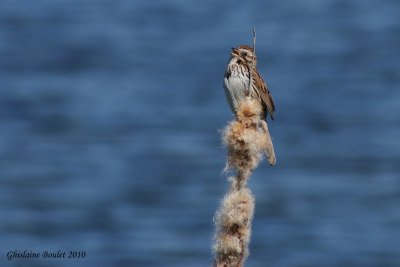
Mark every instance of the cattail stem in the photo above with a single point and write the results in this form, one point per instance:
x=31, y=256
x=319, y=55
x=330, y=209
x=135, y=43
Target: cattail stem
x=253, y=64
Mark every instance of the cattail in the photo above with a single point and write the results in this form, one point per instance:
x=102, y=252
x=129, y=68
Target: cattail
x=247, y=139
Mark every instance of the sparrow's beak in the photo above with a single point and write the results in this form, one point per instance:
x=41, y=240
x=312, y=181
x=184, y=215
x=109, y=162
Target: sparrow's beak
x=234, y=51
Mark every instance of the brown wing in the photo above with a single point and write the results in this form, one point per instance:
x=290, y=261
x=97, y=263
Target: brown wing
x=264, y=93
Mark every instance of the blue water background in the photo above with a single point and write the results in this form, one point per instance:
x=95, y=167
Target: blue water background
x=111, y=114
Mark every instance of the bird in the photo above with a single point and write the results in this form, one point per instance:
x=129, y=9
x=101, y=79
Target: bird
x=236, y=81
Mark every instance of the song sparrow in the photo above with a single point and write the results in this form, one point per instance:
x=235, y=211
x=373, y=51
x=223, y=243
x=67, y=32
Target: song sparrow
x=236, y=81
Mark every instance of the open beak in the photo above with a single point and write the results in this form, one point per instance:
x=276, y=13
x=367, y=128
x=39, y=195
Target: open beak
x=234, y=52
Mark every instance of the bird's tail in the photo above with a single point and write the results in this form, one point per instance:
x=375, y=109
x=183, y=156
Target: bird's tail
x=269, y=146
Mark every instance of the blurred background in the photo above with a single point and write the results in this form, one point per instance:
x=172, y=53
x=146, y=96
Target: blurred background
x=111, y=114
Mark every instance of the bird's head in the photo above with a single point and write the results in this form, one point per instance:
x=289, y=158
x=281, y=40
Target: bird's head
x=243, y=53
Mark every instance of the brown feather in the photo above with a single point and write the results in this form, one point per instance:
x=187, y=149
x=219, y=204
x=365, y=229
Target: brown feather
x=263, y=92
